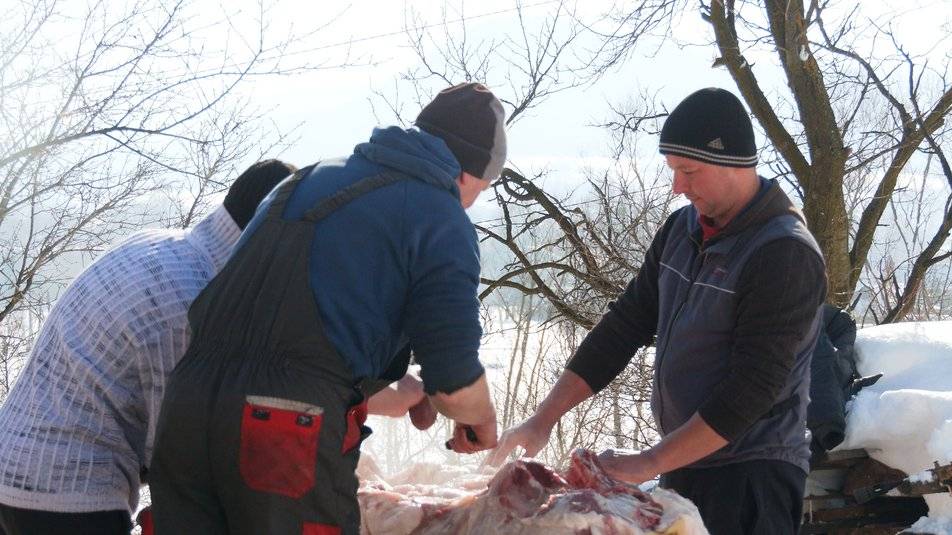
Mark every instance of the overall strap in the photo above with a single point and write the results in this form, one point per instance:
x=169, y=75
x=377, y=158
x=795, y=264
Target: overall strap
x=329, y=205
x=285, y=189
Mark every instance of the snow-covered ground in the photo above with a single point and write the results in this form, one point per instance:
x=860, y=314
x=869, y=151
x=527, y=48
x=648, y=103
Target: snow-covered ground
x=905, y=419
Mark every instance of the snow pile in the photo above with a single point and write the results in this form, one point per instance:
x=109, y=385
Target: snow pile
x=927, y=524
x=905, y=420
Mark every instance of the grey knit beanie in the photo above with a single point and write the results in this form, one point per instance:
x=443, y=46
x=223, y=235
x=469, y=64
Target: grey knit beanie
x=470, y=119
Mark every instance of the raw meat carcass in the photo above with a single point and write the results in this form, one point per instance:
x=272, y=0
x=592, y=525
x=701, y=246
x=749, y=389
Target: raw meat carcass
x=524, y=497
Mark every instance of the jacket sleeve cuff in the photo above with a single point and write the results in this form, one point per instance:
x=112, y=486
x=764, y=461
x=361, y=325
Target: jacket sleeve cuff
x=590, y=370
x=594, y=379
x=724, y=421
x=450, y=378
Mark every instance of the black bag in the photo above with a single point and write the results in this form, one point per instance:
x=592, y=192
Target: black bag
x=834, y=379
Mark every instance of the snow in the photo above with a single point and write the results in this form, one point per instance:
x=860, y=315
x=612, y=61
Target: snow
x=905, y=419
x=927, y=524
x=922, y=477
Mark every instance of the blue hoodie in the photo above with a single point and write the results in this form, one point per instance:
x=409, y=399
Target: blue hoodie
x=399, y=264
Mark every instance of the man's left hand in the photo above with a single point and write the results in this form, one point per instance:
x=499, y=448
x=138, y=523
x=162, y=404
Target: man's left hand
x=423, y=414
x=687, y=444
x=634, y=468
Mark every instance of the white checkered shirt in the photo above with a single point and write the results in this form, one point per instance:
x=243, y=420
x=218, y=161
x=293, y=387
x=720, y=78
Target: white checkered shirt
x=78, y=426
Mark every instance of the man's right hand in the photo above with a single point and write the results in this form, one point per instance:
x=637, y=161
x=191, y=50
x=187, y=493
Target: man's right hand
x=470, y=407
x=532, y=435
x=485, y=437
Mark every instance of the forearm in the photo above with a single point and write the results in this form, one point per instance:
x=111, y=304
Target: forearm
x=569, y=391
x=468, y=405
x=606, y=351
x=441, y=317
x=387, y=402
x=396, y=399
x=687, y=444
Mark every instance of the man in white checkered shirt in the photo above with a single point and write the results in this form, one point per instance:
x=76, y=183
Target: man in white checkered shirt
x=77, y=429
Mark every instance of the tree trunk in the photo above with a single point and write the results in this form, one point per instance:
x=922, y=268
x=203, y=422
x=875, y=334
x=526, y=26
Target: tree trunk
x=825, y=210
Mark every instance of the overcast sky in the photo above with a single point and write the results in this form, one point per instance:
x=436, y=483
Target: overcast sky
x=331, y=110
x=335, y=108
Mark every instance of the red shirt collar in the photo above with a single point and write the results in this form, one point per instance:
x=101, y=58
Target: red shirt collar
x=708, y=228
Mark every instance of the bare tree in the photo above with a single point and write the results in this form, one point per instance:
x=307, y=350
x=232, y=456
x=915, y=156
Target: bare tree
x=900, y=283
x=16, y=339
x=859, y=111
x=116, y=115
x=576, y=255
x=560, y=258
x=576, y=251
x=524, y=68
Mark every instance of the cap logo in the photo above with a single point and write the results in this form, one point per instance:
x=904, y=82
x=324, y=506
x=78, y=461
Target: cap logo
x=716, y=144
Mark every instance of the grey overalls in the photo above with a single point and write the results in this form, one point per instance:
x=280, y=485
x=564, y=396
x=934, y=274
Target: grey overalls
x=262, y=421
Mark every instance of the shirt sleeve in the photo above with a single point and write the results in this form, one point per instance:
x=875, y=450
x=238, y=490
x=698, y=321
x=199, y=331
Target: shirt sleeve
x=780, y=293
x=442, y=314
x=629, y=324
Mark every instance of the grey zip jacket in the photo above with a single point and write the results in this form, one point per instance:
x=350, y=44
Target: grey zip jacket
x=734, y=319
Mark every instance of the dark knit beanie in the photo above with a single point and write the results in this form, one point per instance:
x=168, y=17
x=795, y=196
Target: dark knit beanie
x=470, y=119
x=252, y=186
x=711, y=126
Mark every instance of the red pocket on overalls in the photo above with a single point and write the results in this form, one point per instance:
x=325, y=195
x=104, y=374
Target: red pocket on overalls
x=356, y=416
x=144, y=520
x=279, y=439
x=320, y=529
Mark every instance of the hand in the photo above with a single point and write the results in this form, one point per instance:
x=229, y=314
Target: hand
x=531, y=434
x=423, y=414
x=634, y=468
x=485, y=437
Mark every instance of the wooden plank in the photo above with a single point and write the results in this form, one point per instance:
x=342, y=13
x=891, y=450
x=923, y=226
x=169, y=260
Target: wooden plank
x=885, y=510
x=839, y=459
x=839, y=455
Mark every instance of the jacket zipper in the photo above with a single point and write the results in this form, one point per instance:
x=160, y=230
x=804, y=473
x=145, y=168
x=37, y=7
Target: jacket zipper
x=696, y=265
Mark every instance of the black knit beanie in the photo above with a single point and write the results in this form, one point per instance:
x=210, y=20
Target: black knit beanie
x=252, y=186
x=712, y=126
x=470, y=119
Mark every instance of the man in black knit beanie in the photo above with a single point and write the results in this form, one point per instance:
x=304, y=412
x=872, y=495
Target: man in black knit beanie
x=729, y=294
x=348, y=267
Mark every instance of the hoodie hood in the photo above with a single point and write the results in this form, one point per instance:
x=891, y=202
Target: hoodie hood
x=769, y=202
x=421, y=155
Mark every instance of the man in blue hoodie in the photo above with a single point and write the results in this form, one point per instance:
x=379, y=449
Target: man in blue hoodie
x=346, y=262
